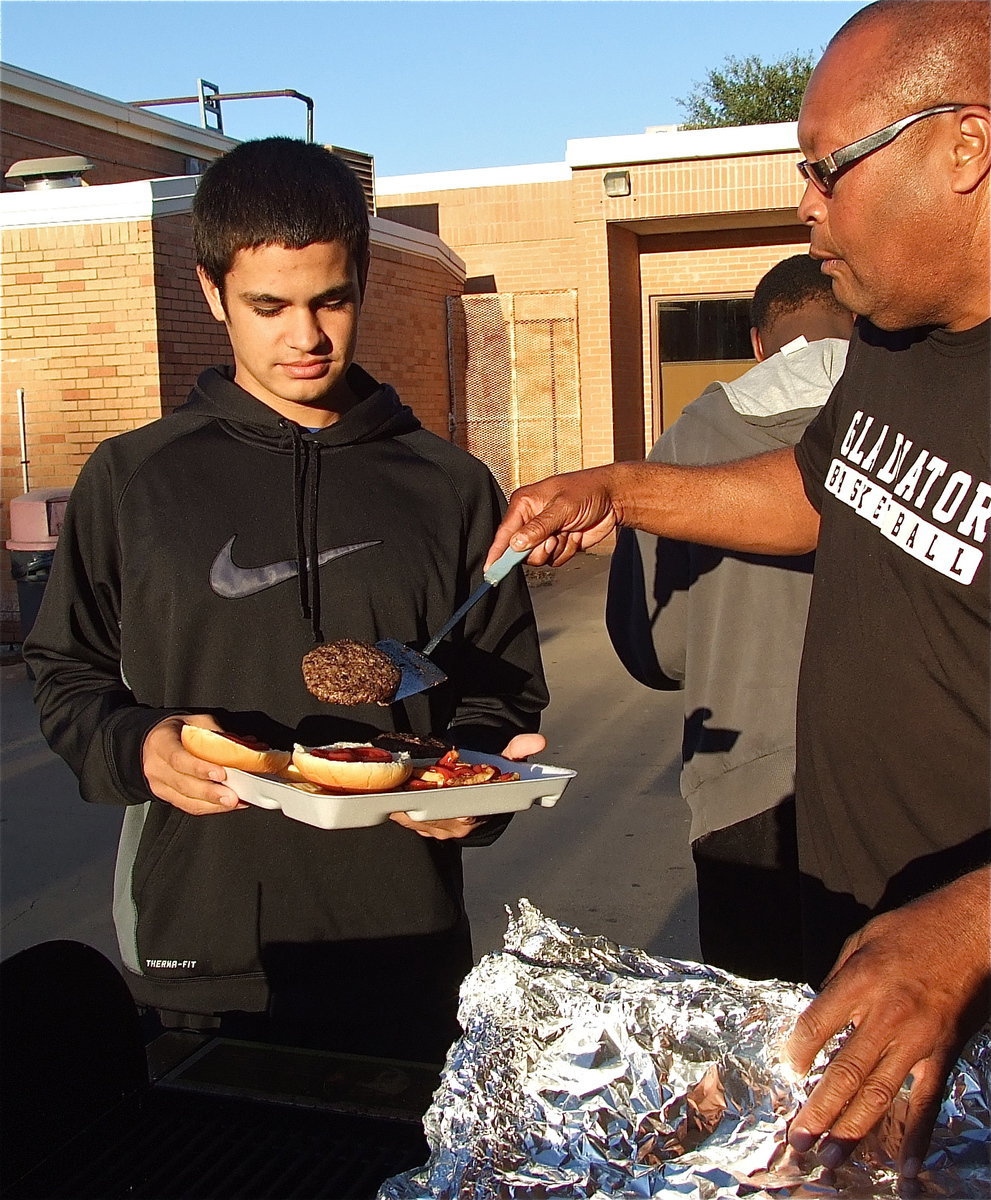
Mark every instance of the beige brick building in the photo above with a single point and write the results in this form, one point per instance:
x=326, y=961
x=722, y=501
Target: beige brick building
x=656, y=277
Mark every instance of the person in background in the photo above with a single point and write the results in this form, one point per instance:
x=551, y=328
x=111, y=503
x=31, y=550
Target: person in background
x=890, y=483
x=292, y=500
x=728, y=629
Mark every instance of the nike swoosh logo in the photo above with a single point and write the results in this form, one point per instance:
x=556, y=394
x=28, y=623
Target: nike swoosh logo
x=232, y=582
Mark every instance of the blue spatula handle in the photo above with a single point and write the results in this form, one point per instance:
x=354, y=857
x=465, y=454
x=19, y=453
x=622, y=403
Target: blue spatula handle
x=502, y=566
x=494, y=575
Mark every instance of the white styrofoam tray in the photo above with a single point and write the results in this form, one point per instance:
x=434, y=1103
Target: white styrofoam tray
x=538, y=785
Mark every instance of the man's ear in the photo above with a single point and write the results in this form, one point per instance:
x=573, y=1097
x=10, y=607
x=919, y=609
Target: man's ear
x=213, y=297
x=971, y=149
x=757, y=344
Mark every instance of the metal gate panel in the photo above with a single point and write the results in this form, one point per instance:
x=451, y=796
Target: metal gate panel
x=515, y=373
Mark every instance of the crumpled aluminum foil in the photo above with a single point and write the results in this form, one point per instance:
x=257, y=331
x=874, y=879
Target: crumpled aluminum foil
x=590, y=1070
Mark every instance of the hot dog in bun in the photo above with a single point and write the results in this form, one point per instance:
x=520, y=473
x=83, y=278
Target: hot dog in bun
x=353, y=767
x=234, y=750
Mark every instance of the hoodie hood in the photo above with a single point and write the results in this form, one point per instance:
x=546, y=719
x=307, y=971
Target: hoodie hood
x=790, y=380
x=378, y=414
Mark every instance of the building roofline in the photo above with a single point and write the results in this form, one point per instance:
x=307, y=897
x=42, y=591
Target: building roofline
x=147, y=199
x=475, y=177
x=51, y=96
x=395, y=236
x=662, y=145
x=681, y=144
x=139, y=200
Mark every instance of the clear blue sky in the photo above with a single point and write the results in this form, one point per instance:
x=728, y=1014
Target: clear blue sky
x=419, y=84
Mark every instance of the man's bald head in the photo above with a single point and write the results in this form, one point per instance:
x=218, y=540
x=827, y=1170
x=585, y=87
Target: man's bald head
x=935, y=52
x=902, y=230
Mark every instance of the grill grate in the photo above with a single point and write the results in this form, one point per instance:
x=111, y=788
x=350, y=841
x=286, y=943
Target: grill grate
x=182, y=1146
x=221, y=1119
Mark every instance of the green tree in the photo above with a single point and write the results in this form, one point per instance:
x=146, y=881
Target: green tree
x=748, y=91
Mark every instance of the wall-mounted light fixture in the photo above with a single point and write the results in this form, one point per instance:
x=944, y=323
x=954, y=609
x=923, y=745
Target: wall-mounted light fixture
x=616, y=183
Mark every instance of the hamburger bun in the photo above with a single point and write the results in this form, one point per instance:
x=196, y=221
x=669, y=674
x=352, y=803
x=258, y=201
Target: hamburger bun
x=231, y=750
x=352, y=767
x=292, y=776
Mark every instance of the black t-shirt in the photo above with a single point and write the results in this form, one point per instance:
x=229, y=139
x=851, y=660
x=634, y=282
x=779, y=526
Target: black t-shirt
x=893, y=712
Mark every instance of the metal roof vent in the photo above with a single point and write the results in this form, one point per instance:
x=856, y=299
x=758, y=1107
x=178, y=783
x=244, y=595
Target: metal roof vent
x=40, y=174
x=363, y=166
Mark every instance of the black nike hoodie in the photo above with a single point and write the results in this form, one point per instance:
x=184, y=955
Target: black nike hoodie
x=184, y=582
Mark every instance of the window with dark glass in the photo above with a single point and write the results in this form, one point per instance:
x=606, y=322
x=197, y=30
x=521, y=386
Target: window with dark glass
x=701, y=330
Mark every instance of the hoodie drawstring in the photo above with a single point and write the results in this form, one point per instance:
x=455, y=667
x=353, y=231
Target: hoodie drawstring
x=298, y=472
x=312, y=494
x=306, y=487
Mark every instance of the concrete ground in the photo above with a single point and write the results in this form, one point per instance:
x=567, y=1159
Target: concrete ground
x=611, y=857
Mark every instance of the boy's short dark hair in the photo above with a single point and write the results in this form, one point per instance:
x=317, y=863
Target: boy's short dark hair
x=276, y=191
x=789, y=286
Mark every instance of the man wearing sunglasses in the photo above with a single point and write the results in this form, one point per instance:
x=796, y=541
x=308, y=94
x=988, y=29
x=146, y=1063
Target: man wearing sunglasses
x=891, y=484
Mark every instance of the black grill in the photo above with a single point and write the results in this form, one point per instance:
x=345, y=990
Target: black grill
x=89, y=1113
x=178, y=1146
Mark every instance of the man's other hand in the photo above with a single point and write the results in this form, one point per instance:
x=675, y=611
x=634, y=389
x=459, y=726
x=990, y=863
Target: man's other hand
x=915, y=985
x=180, y=778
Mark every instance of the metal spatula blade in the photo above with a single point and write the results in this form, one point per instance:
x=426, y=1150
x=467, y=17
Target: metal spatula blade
x=419, y=672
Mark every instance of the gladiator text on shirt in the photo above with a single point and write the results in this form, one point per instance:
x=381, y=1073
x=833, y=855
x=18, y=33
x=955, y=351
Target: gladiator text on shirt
x=932, y=512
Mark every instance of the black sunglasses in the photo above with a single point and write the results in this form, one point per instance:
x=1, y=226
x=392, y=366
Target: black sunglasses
x=822, y=174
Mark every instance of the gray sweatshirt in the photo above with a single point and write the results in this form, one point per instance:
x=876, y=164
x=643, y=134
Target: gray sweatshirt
x=725, y=627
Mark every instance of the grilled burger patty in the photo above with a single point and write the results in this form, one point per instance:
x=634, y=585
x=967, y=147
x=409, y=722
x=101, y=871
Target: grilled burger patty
x=417, y=747
x=348, y=672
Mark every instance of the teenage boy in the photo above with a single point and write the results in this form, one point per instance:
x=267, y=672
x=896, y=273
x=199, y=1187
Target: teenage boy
x=290, y=501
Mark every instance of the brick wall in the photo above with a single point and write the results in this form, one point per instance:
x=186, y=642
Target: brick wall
x=79, y=337
x=42, y=117
x=188, y=337
x=116, y=157
x=402, y=339
x=594, y=342
x=522, y=234
x=627, y=379
x=742, y=184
